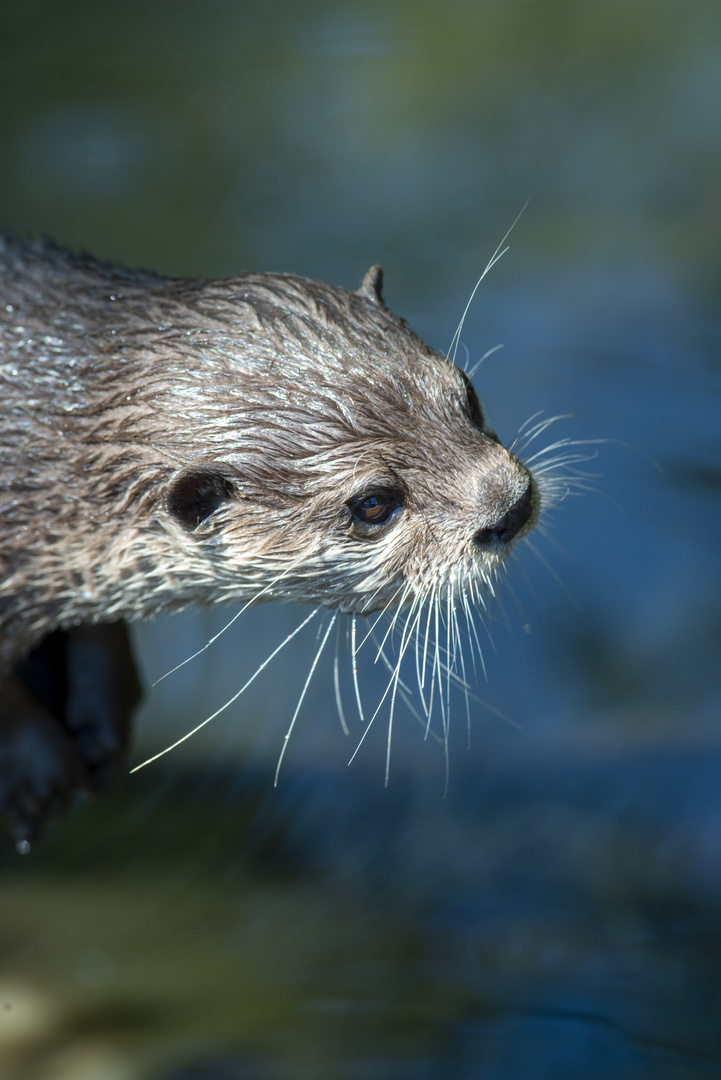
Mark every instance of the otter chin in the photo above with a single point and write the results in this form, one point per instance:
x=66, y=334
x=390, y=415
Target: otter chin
x=169, y=443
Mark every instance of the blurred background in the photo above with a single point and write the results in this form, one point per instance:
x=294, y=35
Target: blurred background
x=557, y=912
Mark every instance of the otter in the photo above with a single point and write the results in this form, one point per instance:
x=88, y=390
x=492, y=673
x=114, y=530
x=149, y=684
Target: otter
x=169, y=443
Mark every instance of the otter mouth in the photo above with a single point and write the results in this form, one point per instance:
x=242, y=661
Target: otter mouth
x=518, y=520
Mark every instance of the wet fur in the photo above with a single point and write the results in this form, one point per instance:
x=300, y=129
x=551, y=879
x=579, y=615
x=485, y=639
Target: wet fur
x=169, y=443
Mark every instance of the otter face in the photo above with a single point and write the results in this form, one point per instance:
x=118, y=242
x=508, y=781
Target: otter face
x=334, y=458
x=435, y=530
x=425, y=503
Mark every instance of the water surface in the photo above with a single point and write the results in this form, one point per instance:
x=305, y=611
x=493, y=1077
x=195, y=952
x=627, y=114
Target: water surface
x=556, y=914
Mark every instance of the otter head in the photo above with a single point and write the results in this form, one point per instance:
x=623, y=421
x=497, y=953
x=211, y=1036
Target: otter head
x=340, y=460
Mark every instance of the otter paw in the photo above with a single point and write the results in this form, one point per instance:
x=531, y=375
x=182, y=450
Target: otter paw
x=39, y=769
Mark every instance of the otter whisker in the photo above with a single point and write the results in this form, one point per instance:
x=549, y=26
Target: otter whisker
x=439, y=670
x=555, y=490
x=237, y=615
x=554, y=485
x=336, y=684
x=489, y=352
x=450, y=649
x=531, y=434
x=406, y=694
x=402, y=589
x=437, y=665
x=553, y=469
x=313, y=666
x=395, y=678
x=524, y=426
x=452, y=644
x=390, y=666
x=417, y=658
x=456, y=679
x=471, y=623
x=391, y=683
x=234, y=698
x=564, y=444
x=559, y=443
x=354, y=664
x=462, y=662
x=497, y=254
x=424, y=665
x=466, y=611
x=410, y=613
x=394, y=620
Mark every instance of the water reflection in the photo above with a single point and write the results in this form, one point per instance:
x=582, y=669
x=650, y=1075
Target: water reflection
x=557, y=913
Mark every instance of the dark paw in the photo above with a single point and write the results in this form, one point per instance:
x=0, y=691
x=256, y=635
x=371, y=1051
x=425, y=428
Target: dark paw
x=40, y=771
x=64, y=723
x=102, y=692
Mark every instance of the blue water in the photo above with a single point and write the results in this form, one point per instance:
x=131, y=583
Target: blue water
x=555, y=913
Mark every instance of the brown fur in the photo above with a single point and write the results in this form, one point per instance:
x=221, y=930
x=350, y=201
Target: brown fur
x=167, y=443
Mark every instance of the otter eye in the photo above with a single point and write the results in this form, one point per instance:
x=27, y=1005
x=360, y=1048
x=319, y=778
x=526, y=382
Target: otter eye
x=474, y=409
x=373, y=509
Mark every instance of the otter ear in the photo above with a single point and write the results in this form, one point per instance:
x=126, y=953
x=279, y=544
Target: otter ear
x=196, y=492
x=372, y=286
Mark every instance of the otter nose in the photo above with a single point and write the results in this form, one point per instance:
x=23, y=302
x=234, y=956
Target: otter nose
x=510, y=524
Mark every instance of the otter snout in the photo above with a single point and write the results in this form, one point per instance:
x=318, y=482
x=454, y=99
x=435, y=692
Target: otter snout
x=507, y=527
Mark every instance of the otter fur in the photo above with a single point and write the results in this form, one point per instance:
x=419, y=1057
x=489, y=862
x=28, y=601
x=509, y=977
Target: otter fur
x=169, y=443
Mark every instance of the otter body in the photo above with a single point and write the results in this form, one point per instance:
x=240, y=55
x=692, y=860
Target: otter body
x=168, y=443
